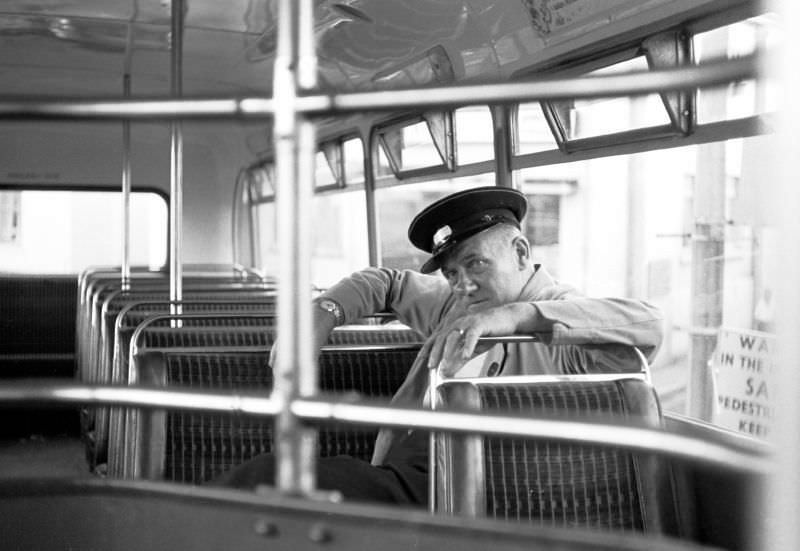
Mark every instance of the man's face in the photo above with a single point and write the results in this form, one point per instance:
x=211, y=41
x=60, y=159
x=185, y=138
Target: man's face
x=485, y=270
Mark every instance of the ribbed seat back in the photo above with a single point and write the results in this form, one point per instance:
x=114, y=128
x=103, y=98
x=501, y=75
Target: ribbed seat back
x=257, y=333
x=208, y=337
x=199, y=446
x=548, y=483
x=562, y=484
x=196, y=447
x=241, y=303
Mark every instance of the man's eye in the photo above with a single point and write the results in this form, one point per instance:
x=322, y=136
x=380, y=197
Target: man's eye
x=476, y=264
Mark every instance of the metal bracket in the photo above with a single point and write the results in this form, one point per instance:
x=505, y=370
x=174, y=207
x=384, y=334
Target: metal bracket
x=667, y=51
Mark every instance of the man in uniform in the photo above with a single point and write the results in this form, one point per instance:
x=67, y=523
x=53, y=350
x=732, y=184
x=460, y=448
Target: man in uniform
x=491, y=287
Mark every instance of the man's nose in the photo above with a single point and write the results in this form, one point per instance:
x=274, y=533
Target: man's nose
x=464, y=285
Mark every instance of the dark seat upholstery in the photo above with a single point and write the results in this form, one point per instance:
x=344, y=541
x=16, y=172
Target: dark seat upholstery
x=113, y=365
x=555, y=484
x=195, y=447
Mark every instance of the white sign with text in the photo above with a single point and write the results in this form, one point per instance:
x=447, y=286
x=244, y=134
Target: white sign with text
x=743, y=366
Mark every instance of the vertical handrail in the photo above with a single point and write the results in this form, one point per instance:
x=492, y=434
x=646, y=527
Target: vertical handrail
x=237, y=202
x=125, y=271
x=176, y=163
x=125, y=263
x=502, y=141
x=373, y=235
x=433, y=382
x=294, y=137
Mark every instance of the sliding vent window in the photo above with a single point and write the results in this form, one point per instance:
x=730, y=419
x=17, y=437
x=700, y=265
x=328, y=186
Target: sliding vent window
x=340, y=163
x=591, y=118
x=534, y=133
x=46, y=231
x=353, y=150
x=325, y=166
x=422, y=145
x=744, y=98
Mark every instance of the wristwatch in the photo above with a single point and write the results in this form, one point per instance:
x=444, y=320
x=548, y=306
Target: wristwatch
x=333, y=308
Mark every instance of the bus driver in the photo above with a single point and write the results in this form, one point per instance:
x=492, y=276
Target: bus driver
x=491, y=287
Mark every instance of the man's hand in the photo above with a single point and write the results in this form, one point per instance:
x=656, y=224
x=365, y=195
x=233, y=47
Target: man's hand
x=457, y=343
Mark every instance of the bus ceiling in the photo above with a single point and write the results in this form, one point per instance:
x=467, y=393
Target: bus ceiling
x=362, y=44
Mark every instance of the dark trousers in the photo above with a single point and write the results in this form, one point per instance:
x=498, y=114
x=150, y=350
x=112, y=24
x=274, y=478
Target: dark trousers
x=402, y=479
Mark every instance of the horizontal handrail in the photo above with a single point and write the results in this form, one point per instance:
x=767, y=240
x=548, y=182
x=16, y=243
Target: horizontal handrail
x=746, y=459
x=633, y=83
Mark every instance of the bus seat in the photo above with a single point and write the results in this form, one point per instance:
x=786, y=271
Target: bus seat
x=194, y=447
x=555, y=484
x=209, y=325
x=94, y=421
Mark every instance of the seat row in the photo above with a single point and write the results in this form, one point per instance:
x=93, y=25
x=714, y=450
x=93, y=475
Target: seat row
x=230, y=324
x=221, y=342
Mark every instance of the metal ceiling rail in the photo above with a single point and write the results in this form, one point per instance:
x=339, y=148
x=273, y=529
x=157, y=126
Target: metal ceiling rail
x=633, y=83
x=743, y=459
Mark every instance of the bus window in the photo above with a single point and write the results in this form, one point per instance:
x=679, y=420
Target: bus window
x=338, y=245
x=408, y=147
x=473, y=127
x=673, y=233
x=353, y=150
x=534, y=134
x=743, y=98
x=324, y=176
x=46, y=231
x=596, y=117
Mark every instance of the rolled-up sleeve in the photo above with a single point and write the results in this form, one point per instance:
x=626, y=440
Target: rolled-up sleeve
x=418, y=300
x=583, y=320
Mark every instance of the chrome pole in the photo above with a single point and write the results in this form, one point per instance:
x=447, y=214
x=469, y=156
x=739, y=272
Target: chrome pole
x=373, y=235
x=294, y=138
x=747, y=457
x=176, y=163
x=125, y=271
x=502, y=141
x=635, y=83
x=125, y=264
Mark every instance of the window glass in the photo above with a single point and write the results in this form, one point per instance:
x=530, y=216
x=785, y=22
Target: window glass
x=353, y=161
x=339, y=239
x=411, y=146
x=63, y=232
x=646, y=226
x=474, y=134
x=596, y=117
x=743, y=98
x=339, y=245
x=534, y=132
x=324, y=175
x=397, y=206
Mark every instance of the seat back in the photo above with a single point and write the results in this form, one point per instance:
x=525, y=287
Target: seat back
x=549, y=483
x=195, y=447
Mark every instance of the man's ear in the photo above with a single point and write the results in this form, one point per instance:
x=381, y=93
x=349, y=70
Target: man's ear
x=522, y=251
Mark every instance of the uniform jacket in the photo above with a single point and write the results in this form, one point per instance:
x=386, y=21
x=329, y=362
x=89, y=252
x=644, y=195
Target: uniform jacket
x=605, y=328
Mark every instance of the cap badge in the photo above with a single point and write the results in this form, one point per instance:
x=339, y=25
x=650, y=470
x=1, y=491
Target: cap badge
x=442, y=236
